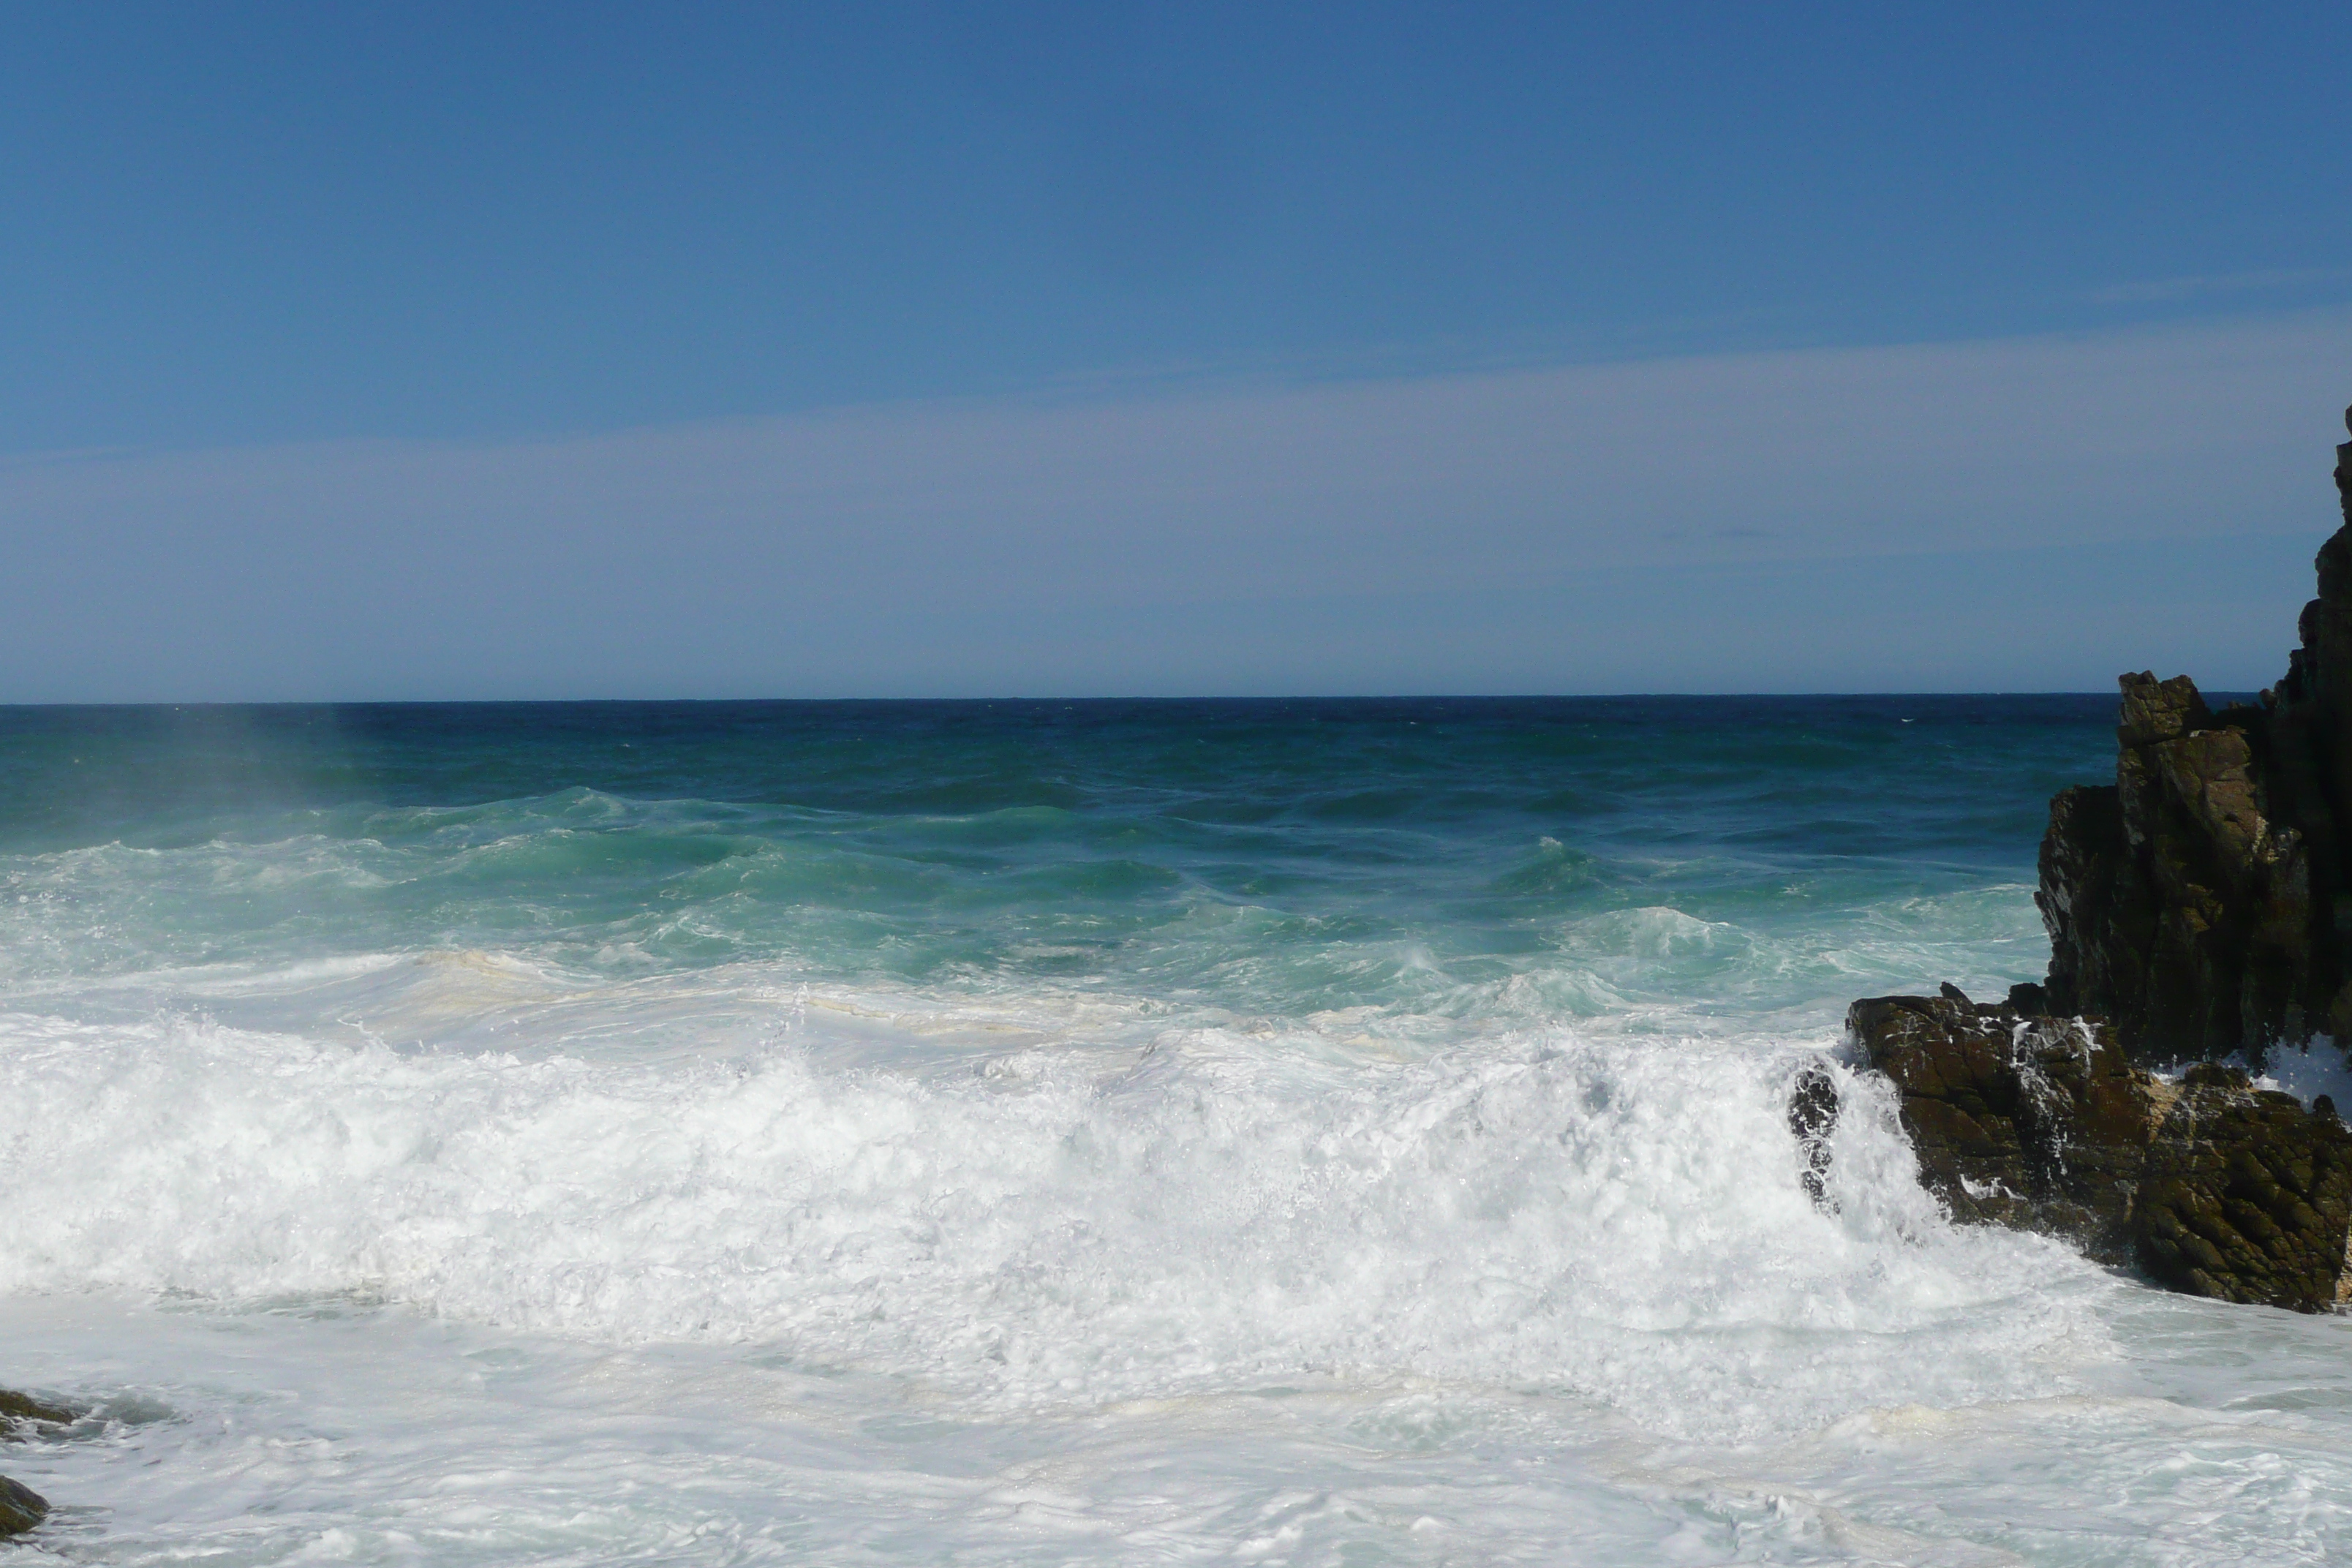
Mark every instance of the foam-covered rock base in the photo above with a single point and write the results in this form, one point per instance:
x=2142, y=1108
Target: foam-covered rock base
x=2210, y=1186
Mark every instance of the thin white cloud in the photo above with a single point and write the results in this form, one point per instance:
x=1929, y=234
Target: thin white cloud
x=2178, y=291
x=936, y=546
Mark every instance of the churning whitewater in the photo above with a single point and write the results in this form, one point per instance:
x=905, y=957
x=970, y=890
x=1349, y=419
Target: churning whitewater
x=1335, y=1132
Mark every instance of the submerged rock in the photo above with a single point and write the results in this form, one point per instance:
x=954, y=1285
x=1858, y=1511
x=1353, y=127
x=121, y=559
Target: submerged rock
x=21, y=1507
x=20, y=1408
x=2041, y=1122
x=1813, y=1117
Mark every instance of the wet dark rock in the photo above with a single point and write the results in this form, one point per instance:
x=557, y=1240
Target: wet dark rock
x=1813, y=1117
x=2035, y=1123
x=2245, y=1197
x=2028, y=997
x=2200, y=906
x=2203, y=903
x=16, y=1407
x=2043, y=1123
x=21, y=1508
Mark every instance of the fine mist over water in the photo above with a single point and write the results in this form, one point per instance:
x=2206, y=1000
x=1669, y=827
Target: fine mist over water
x=1306, y=1131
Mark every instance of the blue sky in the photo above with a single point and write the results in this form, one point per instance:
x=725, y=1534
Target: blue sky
x=578, y=350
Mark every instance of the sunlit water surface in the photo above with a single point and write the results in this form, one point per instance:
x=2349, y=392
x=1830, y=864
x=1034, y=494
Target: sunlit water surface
x=1342, y=1133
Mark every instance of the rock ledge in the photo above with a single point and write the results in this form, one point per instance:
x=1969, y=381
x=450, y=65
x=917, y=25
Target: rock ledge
x=2038, y=1122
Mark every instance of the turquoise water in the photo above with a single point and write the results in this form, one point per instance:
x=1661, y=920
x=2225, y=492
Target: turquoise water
x=1281, y=858
x=1334, y=1131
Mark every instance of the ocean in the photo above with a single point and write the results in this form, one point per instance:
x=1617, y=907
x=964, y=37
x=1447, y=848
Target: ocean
x=1308, y=1133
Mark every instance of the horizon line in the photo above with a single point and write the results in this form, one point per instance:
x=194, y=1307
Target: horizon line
x=1067, y=699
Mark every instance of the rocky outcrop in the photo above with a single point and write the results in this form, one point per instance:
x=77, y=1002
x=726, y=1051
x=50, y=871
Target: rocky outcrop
x=1812, y=1120
x=2200, y=906
x=2202, y=903
x=2042, y=1122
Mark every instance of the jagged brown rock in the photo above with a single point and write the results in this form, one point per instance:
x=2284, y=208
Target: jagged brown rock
x=2035, y=1123
x=2042, y=1122
x=2198, y=906
x=2200, y=902
x=2244, y=1197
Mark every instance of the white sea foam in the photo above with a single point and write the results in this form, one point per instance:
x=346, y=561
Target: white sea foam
x=2309, y=1071
x=556, y=1249
x=1266, y=1295
x=1591, y=1215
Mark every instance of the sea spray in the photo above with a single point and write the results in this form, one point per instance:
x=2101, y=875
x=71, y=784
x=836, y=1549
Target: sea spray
x=1619, y=1218
x=1086, y=1133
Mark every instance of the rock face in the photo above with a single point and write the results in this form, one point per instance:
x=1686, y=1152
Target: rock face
x=1813, y=1117
x=2036, y=1123
x=2042, y=1122
x=2244, y=1197
x=2203, y=903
